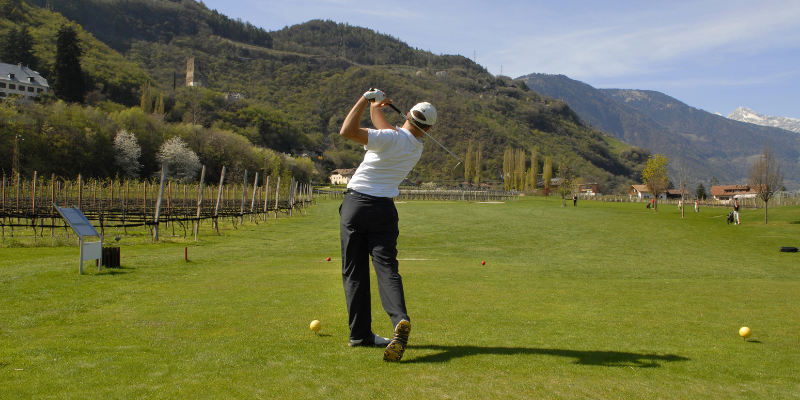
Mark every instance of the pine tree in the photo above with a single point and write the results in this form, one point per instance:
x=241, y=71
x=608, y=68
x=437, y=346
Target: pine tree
x=67, y=72
x=8, y=47
x=17, y=48
x=701, y=192
x=25, y=54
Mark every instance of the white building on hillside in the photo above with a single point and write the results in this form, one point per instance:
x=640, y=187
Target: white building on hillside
x=22, y=81
x=342, y=176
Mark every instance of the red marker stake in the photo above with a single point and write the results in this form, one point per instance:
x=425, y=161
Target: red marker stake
x=186, y=254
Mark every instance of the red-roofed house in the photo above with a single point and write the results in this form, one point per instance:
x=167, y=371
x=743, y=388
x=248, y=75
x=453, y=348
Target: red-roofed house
x=728, y=192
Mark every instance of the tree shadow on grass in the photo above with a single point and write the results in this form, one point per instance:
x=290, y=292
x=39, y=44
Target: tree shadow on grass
x=582, y=357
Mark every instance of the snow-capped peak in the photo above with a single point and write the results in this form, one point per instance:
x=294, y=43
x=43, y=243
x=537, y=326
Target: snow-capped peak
x=747, y=115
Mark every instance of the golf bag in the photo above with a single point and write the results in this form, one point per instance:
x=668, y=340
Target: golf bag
x=730, y=217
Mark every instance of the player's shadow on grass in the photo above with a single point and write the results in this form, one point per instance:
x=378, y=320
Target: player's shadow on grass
x=582, y=357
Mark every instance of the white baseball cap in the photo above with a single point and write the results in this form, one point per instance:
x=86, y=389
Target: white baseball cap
x=427, y=111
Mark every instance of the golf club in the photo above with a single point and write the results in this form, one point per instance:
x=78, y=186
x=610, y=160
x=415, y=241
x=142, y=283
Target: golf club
x=437, y=142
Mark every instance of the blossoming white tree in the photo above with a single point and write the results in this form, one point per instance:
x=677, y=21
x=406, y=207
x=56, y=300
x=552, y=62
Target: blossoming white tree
x=183, y=162
x=127, y=152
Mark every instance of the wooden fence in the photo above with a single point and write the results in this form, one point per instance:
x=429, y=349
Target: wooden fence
x=780, y=199
x=441, y=195
x=28, y=204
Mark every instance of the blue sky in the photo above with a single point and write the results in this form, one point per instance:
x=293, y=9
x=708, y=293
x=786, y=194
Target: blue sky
x=710, y=54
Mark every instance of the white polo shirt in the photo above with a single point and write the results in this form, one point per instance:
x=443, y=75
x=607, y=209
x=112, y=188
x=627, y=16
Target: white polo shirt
x=391, y=154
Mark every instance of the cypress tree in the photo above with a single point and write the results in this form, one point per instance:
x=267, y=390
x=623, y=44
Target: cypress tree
x=468, y=168
x=67, y=72
x=159, y=107
x=146, y=101
x=519, y=169
x=479, y=165
x=547, y=172
x=508, y=169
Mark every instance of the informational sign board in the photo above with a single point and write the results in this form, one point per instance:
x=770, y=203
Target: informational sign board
x=78, y=222
x=83, y=228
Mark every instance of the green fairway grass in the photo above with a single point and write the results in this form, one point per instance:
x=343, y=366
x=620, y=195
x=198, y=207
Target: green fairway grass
x=600, y=301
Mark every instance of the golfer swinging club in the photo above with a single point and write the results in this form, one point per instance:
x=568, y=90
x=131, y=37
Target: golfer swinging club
x=369, y=218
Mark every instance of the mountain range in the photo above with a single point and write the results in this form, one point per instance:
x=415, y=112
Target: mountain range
x=298, y=83
x=747, y=115
x=709, y=145
x=276, y=91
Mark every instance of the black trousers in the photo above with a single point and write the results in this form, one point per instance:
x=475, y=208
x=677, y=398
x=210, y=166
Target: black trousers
x=369, y=228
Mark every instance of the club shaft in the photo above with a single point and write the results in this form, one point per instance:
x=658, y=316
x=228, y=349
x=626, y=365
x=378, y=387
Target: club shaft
x=437, y=142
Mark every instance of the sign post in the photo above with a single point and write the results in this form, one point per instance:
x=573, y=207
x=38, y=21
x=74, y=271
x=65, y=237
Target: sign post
x=83, y=228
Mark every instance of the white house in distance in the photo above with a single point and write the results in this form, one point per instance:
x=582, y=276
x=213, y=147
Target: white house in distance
x=642, y=192
x=23, y=81
x=342, y=176
x=639, y=191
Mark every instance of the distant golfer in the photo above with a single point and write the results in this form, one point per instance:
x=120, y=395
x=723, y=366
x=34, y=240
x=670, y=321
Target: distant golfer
x=369, y=218
x=736, y=210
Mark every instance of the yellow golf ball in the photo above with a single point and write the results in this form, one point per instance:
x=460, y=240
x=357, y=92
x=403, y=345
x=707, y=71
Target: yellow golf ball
x=316, y=325
x=745, y=332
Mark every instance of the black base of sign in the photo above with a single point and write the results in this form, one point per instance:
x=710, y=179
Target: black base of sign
x=111, y=257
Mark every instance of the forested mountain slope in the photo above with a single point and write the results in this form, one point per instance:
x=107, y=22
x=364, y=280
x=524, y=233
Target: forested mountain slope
x=298, y=84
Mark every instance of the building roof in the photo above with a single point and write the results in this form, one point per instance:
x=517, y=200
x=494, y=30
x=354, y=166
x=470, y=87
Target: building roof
x=21, y=74
x=677, y=192
x=731, y=190
x=640, y=188
x=343, y=172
